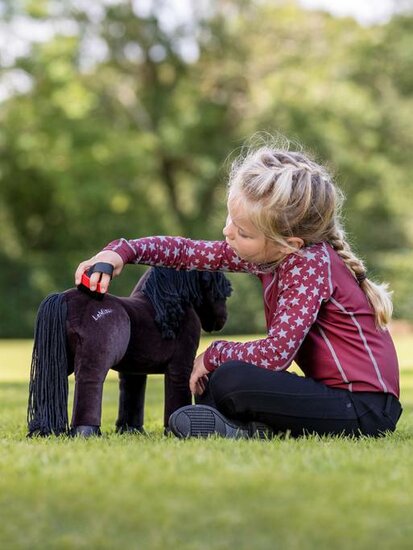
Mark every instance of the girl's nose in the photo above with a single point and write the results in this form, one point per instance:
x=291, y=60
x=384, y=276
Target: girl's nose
x=227, y=231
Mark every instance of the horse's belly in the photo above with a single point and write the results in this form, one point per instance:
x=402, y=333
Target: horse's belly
x=141, y=363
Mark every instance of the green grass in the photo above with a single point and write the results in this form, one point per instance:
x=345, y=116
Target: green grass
x=152, y=492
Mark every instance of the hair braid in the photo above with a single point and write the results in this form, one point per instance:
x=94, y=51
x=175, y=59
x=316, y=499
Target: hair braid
x=377, y=294
x=343, y=249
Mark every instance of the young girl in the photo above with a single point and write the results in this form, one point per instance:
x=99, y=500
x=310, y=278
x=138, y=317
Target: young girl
x=321, y=310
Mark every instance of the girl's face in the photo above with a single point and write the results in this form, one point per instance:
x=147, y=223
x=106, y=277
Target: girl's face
x=246, y=240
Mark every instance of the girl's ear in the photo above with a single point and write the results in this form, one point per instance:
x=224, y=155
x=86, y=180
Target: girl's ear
x=295, y=242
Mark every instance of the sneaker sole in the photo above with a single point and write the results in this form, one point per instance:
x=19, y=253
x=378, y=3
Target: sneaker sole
x=203, y=421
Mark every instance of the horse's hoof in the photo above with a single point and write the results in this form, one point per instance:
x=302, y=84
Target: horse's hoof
x=126, y=429
x=85, y=431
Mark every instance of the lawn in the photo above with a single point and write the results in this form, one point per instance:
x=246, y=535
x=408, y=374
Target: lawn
x=153, y=492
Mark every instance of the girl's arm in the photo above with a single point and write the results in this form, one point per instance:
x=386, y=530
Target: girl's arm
x=181, y=253
x=304, y=283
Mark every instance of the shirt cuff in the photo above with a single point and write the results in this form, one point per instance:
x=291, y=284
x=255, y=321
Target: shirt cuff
x=123, y=251
x=208, y=363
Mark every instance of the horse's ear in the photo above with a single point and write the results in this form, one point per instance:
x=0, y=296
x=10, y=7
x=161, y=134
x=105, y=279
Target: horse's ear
x=224, y=285
x=217, y=282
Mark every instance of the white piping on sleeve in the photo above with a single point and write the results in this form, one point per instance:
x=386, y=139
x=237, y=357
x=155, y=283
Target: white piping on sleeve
x=330, y=282
x=268, y=288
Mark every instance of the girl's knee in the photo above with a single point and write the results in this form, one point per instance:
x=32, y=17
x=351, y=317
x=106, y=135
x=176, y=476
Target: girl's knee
x=227, y=379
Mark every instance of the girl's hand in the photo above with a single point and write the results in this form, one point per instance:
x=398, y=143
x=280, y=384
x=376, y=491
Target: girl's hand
x=107, y=256
x=199, y=378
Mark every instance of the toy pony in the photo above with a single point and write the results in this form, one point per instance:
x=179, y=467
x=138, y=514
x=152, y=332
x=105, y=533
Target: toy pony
x=154, y=330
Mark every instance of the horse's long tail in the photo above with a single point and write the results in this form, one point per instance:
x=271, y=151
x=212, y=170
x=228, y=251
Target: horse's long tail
x=48, y=390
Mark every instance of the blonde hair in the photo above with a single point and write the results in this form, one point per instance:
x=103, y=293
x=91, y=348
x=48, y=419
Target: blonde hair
x=290, y=195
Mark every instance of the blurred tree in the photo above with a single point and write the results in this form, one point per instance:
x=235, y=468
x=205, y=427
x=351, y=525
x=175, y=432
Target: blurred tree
x=128, y=121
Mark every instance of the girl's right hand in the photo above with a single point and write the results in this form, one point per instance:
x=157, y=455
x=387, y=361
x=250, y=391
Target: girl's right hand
x=107, y=256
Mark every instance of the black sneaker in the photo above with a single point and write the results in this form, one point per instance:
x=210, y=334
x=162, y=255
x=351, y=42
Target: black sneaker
x=203, y=421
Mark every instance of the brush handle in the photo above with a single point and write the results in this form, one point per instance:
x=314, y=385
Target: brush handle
x=84, y=286
x=101, y=267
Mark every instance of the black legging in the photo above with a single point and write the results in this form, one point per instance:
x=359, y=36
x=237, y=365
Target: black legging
x=297, y=405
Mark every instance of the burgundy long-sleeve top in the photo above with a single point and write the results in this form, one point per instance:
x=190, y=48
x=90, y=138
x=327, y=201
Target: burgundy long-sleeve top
x=316, y=312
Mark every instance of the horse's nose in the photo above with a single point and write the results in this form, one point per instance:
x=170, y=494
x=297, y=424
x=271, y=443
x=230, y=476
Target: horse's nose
x=220, y=322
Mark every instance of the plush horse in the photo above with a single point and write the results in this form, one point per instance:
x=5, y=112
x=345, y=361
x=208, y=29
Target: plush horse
x=156, y=330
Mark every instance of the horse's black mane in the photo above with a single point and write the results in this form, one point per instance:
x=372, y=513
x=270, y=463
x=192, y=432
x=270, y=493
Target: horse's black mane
x=171, y=292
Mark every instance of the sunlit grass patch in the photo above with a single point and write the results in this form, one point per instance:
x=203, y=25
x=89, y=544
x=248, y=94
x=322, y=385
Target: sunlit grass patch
x=156, y=492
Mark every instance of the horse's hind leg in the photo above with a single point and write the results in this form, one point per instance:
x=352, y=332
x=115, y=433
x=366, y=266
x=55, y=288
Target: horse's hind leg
x=131, y=402
x=103, y=339
x=87, y=403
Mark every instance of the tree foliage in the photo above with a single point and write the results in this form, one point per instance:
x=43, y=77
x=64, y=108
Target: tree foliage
x=128, y=123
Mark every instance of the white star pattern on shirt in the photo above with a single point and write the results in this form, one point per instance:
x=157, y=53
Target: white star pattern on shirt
x=251, y=349
x=285, y=318
x=296, y=271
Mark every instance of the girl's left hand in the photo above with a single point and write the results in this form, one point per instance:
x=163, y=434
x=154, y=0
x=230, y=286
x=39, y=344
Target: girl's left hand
x=199, y=379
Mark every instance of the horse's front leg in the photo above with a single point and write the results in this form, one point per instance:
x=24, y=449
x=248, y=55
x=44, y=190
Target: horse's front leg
x=131, y=402
x=177, y=375
x=178, y=371
x=177, y=392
